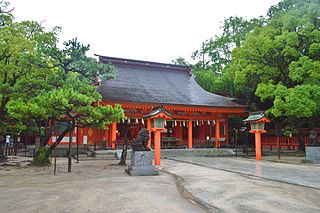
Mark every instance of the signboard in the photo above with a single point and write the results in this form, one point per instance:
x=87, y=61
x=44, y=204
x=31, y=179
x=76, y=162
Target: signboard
x=85, y=139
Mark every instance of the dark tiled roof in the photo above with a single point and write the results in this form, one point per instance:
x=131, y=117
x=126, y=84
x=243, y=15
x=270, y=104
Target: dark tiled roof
x=151, y=82
x=156, y=111
x=254, y=116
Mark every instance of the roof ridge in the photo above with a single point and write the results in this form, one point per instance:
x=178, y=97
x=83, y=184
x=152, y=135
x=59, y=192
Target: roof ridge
x=142, y=63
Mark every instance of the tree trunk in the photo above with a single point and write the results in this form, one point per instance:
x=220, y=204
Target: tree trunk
x=124, y=151
x=59, y=139
x=44, y=139
x=300, y=136
x=278, y=134
x=125, y=146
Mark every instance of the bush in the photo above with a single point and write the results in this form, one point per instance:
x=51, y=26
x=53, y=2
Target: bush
x=41, y=158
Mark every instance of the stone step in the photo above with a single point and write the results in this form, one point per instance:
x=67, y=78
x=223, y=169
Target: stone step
x=208, y=152
x=109, y=154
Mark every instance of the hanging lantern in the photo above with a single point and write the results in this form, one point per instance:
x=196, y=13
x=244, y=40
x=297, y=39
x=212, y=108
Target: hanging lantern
x=129, y=121
x=175, y=123
x=137, y=121
x=201, y=122
x=122, y=120
x=165, y=123
x=142, y=121
x=197, y=123
x=208, y=122
x=214, y=122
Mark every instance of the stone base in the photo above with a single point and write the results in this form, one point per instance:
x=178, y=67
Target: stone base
x=141, y=164
x=143, y=172
x=313, y=154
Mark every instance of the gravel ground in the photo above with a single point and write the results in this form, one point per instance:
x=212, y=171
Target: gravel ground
x=93, y=186
x=196, y=185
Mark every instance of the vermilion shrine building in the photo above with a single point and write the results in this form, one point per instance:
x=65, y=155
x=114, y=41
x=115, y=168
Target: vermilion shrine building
x=199, y=118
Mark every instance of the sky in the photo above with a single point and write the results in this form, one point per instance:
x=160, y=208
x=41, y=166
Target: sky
x=151, y=30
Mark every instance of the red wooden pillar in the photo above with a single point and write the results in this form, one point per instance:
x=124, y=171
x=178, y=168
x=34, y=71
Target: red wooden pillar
x=107, y=135
x=79, y=135
x=189, y=134
x=149, y=129
x=227, y=129
x=217, y=132
x=113, y=135
x=258, y=145
x=157, y=148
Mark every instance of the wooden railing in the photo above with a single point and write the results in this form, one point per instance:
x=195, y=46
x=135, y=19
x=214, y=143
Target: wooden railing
x=11, y=149
x=183, y=144
x=285, y=142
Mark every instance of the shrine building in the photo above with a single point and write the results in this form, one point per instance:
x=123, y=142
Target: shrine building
x=199, y=118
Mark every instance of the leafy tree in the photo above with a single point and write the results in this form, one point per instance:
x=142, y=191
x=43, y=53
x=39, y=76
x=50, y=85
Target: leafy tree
x=216, y=55
x=18, y=46
x=71, y=96
x=217, y=50
x=42, y=84
x=180, y=61
x=279, y=62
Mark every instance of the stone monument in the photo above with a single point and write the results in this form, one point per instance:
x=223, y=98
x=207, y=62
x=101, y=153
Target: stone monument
x=313, y=149
x=141, y=156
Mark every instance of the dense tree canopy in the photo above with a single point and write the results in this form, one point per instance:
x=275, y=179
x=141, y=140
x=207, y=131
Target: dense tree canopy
x=280, y=61
x=43, y=84
x=18, y=75
x=215, y=55
x=270, y=63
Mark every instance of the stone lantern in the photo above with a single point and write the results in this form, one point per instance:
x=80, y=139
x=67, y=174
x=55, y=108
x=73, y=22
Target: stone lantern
x=157, y=118
x=257, y=122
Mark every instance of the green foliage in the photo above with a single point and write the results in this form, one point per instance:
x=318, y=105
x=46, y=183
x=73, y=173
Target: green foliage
x=19, y=77
x=180, y=61
x=213, y=82
x=280, y=60
x=41, y=158
x=305, y=70
x=69, y=94
x=5, y=13
x=301, y=101
x=41, y=82
x=217, y=50
x=215, y=57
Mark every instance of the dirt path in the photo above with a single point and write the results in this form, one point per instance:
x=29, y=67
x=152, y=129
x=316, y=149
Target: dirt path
x=93, y=186
x=101, y=186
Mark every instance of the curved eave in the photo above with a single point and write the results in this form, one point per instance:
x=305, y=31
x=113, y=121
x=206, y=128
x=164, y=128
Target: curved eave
x=168, y=106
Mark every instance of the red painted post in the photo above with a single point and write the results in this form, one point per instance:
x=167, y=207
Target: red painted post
x=107, y=136
x=113, y=135
x=227, y=129
x=149, y=129
x=258, y=145
x=217, y=132
x=157, y=148
x=190, y=135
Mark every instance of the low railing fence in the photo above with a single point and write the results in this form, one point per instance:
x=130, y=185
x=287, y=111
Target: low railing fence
x=7, y=149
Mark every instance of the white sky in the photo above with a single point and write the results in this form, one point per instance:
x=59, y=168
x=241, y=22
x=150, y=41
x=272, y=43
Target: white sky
x=153, y=30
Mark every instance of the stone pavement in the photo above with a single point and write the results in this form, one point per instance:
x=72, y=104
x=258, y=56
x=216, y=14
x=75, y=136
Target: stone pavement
x=243, y=185
x=301, y=174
